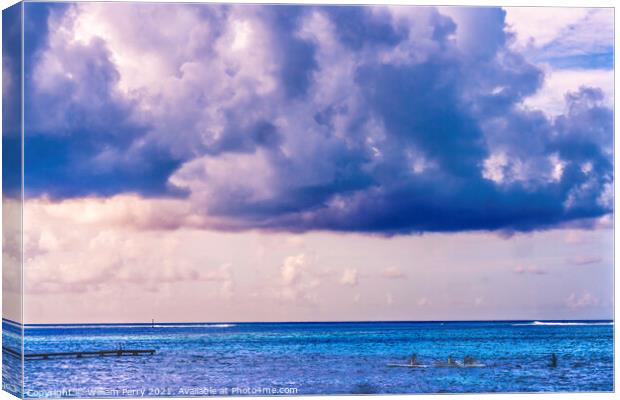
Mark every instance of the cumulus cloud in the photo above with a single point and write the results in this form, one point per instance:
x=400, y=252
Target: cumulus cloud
x=581, y=300
x=298, y=280
x=11, y=70
x=350, y=277
x=86, y=253
x=372, y=119
x=129, y=211
x=550, y=98
x=11, y=101
x=113, y=259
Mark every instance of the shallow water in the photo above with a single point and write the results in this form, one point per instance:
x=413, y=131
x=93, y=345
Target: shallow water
x=315, y=358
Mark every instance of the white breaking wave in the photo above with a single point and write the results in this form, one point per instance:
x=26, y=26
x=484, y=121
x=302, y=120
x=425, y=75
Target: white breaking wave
x=543, y=323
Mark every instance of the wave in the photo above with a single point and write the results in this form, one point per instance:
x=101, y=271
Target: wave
x=558, y=323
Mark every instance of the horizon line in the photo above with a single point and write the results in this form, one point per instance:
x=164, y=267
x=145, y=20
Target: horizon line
x=305, y=322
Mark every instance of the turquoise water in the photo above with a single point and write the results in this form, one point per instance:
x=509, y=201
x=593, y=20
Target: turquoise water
x=315, y=358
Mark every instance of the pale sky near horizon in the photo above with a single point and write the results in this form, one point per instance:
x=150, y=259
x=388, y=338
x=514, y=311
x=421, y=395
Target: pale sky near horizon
x=199, y=275
x=190, y=162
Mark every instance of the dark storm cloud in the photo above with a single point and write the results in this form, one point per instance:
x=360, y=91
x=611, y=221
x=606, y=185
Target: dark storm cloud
x=11, y=101
x=384, y=120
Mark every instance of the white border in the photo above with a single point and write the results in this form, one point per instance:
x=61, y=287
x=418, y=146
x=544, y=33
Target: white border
x=504, y=3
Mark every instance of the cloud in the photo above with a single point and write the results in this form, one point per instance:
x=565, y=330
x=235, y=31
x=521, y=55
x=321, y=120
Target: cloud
x=564, y=37
x=424, y=301
x=102, y=245
x=387, y=120
x=574, y=237
x=82, y=129
x=298, y=280
x=296, y=241
x=12, y=250
x=11, y=101
x=584, y=260
x=538, y=26
x=530, y=269
x=120, y=211
x=11, y=71
x=112, y=259
x=550, y=98
x=350, y=277
x=581, y=300
x=393, y=273
x=292, y=268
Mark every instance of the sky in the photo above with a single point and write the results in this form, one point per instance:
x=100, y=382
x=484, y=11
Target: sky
x=189, y=162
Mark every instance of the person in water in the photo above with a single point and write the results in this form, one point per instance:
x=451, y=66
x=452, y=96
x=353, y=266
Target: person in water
x=554, y=360
x=414, y=359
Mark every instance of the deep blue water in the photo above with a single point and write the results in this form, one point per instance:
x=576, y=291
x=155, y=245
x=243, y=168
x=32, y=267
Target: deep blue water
x=314, y=358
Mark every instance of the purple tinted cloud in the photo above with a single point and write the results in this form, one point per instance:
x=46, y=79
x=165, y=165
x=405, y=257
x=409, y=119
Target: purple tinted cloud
x=372, y=119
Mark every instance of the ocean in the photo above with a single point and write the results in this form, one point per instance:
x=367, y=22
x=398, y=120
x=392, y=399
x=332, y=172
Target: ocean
x=211, y=359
